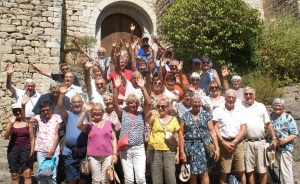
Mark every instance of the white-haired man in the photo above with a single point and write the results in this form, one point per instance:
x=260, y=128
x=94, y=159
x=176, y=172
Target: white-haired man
x=29, y=89
x=236, y=82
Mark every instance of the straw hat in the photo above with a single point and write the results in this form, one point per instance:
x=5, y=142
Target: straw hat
x=269, y=155
x=16, y=106
x=185, y=173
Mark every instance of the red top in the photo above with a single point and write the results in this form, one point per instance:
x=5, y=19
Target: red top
x=19, y=137
x=128, y=75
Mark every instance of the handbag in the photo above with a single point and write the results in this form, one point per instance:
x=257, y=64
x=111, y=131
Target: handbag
x=78, y=152
x=209, y=147
x=85, y=167
x=123, y=141
x=169, y=139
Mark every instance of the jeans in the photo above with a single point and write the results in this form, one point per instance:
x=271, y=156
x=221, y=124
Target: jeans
x=41, y=156
x=133, y=161
x=162, y=166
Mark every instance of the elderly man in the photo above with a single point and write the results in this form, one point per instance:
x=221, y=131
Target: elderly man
x=72, y=89
x=64, y=68
x=75, y=141
x=254, y=145
x=96, y=91
x=52, y=96
x=29, y=89
x=236, y=82
x=230, y=126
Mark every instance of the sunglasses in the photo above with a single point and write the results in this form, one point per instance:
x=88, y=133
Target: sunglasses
x=214, y=87
x=100, y=52
x=246, y=94
x=160, y=106
x=102, y=84
x=64, y=69
x=45, y=110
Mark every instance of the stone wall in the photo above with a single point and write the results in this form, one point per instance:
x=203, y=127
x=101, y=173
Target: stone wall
x=272, y=7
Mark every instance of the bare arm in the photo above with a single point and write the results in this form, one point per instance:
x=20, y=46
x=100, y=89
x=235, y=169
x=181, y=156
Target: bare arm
x=31, y=136
x=181, y=143
x=10, y=71
x=8, y=126
x=87, y=77
x=118, y=109
x=83, y=51
x=182, y=83
x=272, y=133
x=43, y=72
x=115, y=147
x=217, y=78
x=225, y=73
x=112, y=53
x=79, y=123
x=59, y=106
x=213, y=135
x=25, y=99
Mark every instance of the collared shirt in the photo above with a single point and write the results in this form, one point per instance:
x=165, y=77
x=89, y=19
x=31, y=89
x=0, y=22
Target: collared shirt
x=129, y=89
x=257, y=116
x=74, y=90
x=30, y=104
x=95, y=96
x=229, y=123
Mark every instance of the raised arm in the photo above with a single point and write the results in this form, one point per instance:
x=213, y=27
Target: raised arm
x=129, y=52
x=59, y=106
x=132, y=28
x=80, y=122
x=25, y=99
x=225, y=73
x=83, y=51
x=134, y=55
x=182, y=83
x=162, y=69
x=151, y=66
x=147, y=102
x=118, y=83
x=10, y=71
x=87, y=76
x=43, y=72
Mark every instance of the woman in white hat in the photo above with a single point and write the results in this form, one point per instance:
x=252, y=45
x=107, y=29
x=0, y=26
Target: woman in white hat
x=21, y=144
x=286, y=132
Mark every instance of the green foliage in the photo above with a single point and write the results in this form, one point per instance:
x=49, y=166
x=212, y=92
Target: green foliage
x=266, y=88
x=280, y=51
x=225, y=30
x=87, y=42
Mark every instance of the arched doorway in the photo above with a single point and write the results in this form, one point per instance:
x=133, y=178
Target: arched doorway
x=116, y=26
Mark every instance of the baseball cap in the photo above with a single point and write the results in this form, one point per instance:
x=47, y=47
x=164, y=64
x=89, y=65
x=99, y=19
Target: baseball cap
x=16, y=106
x=196, y=60
x=145, y=45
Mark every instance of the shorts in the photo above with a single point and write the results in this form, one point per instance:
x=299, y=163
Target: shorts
x=18, y=159
x=234, y=159
x=72, y=169
x=255, y=156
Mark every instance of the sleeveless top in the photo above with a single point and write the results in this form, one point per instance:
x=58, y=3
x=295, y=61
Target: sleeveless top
x=74, y=136
x=211, y=74
x=19, y=137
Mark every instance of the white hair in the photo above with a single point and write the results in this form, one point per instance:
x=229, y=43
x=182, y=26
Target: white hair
x=54, y=85
x=29, y=81
x=236, y=77
x=279, y=100
x=230, y=91
x=195, y=75
x=249, y=88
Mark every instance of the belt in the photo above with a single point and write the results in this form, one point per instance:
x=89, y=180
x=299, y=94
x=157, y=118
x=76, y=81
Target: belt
x=227, y=139
x=254, y=140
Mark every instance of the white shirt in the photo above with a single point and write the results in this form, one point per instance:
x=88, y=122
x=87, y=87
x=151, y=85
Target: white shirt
x=257, y=116
x=74, y=90
x=95, y=96
x=30, y=104
x=229, y=123
x=129, y=89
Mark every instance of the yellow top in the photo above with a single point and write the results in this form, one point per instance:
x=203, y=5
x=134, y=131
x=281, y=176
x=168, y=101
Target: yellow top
x=157, y=135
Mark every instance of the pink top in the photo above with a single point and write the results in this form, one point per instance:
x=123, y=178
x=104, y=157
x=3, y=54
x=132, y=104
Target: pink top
x=100, y=142
x=46, y=134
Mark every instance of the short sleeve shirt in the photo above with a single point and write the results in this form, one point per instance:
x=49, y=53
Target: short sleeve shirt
x=47, y=133
x=229, y=123
x=157, y=134
x=74, y=90
x=30, y=104
x=256, y=116
x=60, y=78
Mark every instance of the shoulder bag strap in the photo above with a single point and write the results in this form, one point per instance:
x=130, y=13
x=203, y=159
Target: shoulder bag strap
x=132, y=123
x=199, y=131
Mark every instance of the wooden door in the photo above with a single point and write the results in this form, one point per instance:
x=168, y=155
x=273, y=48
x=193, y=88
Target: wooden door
x=116, y=26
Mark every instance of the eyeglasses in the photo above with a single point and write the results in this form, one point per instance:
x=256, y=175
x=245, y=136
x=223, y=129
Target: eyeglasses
x=205, y=62
x=55, y=92
x=101, y=84
x=64, y=69
x=97, y=110
x=214, y=87
x=194, y=80
x=45, y=110
x=16, y=110
x=157, y=83
x=246, y=94
x=101, y=52
x=160, y=106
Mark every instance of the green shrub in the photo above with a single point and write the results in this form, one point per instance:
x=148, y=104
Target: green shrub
x=266, y=89
x=280, y=51
x=225, y=30
x=85, y=41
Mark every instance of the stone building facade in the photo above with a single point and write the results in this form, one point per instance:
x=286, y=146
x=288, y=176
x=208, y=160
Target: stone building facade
x=35, y=30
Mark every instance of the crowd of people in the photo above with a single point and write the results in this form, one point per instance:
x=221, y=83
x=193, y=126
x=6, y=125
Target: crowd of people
x=150, y=98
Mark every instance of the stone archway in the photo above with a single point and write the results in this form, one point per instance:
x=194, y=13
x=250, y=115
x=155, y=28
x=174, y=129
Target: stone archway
x=133, y=8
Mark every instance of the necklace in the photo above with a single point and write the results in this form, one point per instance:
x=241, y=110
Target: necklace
x=195, y=117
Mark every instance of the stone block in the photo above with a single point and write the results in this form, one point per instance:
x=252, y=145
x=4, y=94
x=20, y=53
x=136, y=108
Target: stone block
x=24, y=29
x=56, y=14
x=78, y=13
x=46, y=24
x=22, y=1
x=84, y=30
x=52, y=44
x=32, y=23
x=16, y=22
x=23, y=17
x=57, y=25
x=42, y=51
x=26, y=6
x=42, y=45
x=28, y=50
x=10, y=5
x=54, y=9
x=86, y=13
x=47, y=14
x=3, y=35
x=34, y=43
x=5, y=49
x=51, y=60
x=9, y=58
x=17, y=35
x=40, y=8
x=69, y=12
x=74, y=17
x=21, y=59
x=17, y=48
x=23, y=42
x=8, y=28
x=31, y=37
x=34, y=59
x=51, y=19
x=45, y=38
x=51, y=31
x=55, y=52
x=10, y=42
x=24, y=23
x=37, y=31
x=36, y=13
x=4, y=10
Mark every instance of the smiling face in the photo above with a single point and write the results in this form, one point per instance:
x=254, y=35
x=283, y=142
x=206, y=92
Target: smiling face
x=162, y=106
x=195, y=82
x=156, y=85
x=196, y=104
x=122, y=64
x=235, y=84
x=205, y=65
x=69, y=79
x=230, y=99
x=135, y=78
x=146, y=50
x=97, y=112
x=30, y=87
x=278, y=108
x=54, y=93
x=17, y=112
x=108, y=101
x=249, y=96
x=46, y=112
x=100, y=85
x=76, y=104
x=101, y=53
x=214, y=89
x=132, y=103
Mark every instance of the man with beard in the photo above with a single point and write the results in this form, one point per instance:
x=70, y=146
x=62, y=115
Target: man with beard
x=29, y=89
x=64, y=68
x=230, y=127
x=72, y=89
x=96, y=91
x=75, y=141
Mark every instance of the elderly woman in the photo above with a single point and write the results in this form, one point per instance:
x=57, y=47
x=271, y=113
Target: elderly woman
x=160, y=155
x=110, y=113
x=191, y=147
x=207, y=67
x=101, y=154
x=133, y=156
x=286, y=132
x=20, y=146
x=184, y=106
x=46, y=144
x=194, y=86
x=215, y=99
x=236, y=82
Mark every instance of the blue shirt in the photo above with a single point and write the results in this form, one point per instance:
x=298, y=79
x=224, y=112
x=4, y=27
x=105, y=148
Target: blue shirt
x=284, y=125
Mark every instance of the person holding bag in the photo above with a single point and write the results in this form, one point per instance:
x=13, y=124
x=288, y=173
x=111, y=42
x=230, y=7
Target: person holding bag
x=191, y=145
x=132, y=155
x=101, y=154
x=163, y=151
